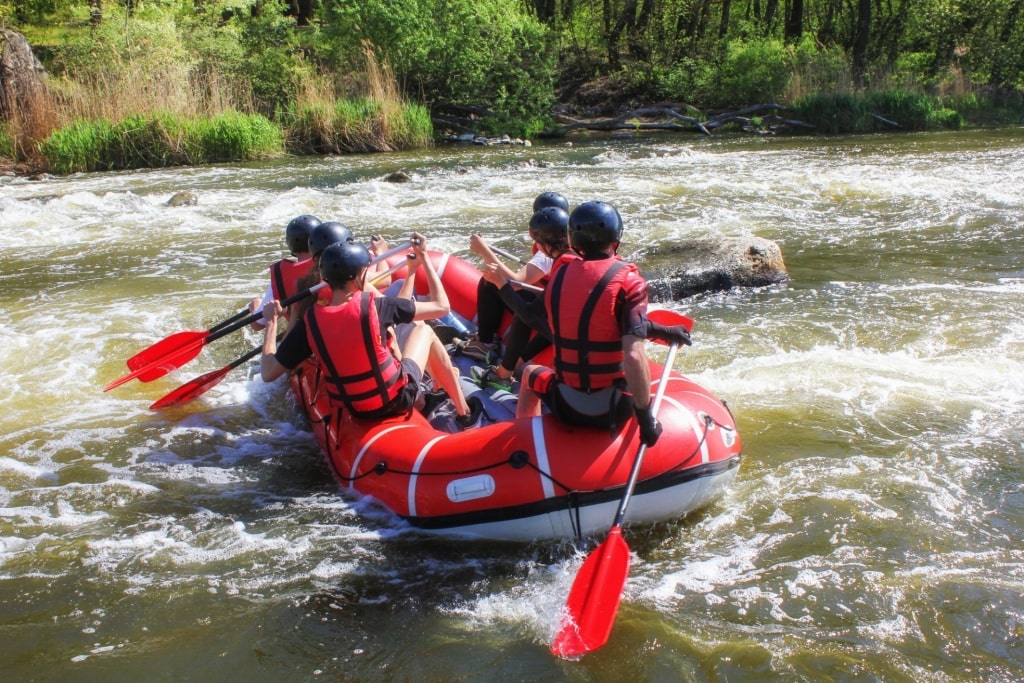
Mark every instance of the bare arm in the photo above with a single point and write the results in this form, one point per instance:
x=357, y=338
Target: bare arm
x=437, y=306
x=638, y=372
x=478, y=245
x=270, y=369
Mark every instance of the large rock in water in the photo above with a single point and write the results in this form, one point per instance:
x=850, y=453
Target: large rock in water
x=713, y=264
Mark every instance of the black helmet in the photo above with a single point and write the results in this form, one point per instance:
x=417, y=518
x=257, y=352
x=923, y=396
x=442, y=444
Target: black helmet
x=550, y=199
x=343, y=261
x=296, y=235
x=594, y=224
x=550, y=225
x=326, y=234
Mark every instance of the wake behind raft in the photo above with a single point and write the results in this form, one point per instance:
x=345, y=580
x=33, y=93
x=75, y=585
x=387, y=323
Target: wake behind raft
x=530, y=478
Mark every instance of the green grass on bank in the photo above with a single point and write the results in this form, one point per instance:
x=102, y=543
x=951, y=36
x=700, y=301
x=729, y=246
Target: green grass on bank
x=867, y=112
x=166, y=139
x=367, y=125
x=160, y=140
x=358, y=125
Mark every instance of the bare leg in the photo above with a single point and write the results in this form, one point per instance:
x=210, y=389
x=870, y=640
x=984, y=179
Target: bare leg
x=428, y=352
x=528, y=404
x=439, y=365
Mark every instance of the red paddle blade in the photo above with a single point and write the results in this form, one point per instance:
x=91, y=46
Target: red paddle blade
x=594, y=598
x=155, y=352
x=665, y=317
x=172, y=360
x=194, y=389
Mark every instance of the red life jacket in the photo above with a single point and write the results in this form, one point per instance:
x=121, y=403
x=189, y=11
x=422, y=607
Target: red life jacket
x=567, y=257
x=285, y=276
x=584, y=322
x=360, y=370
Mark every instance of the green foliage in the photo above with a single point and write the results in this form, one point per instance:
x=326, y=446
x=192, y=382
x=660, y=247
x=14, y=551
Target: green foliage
x=860, y=112
x=834, y=113
x=232, y=136
x=82, y=146
x=175, y=74
x=149, y=39
x=490, y=53
x=412, y=127
x=165, y=140
x=358, y=125
x=914, y=111
x=751, y=72
x=743, y=72
x=272, y=65
x=8, y=144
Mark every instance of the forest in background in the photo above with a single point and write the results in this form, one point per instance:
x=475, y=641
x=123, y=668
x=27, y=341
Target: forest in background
x=332, y=75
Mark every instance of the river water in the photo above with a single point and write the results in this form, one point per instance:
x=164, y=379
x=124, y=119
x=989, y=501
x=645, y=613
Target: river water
x=873, y=533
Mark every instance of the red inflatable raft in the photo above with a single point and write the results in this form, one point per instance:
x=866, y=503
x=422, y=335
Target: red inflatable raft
x=525, y=479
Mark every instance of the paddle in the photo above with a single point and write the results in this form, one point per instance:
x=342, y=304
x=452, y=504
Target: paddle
x=594, y=597
x=505, y=254
x=155, y=351
x=527, y=287
x=180, y=348
x=172, y=352
x=200, y=385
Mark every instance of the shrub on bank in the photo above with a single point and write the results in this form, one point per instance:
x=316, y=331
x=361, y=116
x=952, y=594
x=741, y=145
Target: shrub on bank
x=864, y=112
x=8, y=144
x=154, y=141
x=358, y=125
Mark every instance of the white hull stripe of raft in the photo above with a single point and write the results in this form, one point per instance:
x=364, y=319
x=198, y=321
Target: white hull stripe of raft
x=540, y=446
x=416, y=468
x=697, y=426
x=366, y=447
x=441, y=265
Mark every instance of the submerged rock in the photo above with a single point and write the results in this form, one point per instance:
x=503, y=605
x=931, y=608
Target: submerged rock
x=714, y=264
x=183, y=199
x=398, y=177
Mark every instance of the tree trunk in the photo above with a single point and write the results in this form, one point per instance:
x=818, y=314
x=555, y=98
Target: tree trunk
x=795, y=22
x=545, y=11
x=723, y=26
x=860, y=43
x=610, y=43
x=769, y=15
x=303, y=12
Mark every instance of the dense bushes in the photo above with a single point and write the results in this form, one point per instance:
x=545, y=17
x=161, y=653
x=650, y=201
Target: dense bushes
x=481, y=52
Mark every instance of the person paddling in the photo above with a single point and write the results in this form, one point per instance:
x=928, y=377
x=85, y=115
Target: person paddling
x=287, y=274
x=596, y=310
x=349, y=337
x=489, y=307
x=549, y=230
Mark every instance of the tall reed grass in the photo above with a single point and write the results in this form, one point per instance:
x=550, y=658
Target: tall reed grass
x=376, y=119
x=140, y=115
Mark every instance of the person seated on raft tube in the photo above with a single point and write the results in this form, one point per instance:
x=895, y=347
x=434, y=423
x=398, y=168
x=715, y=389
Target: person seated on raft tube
x=596, y=311
x=287, y=275
x=489, y=307
x=549, y=231
x=367, y=377
x=321, y=237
